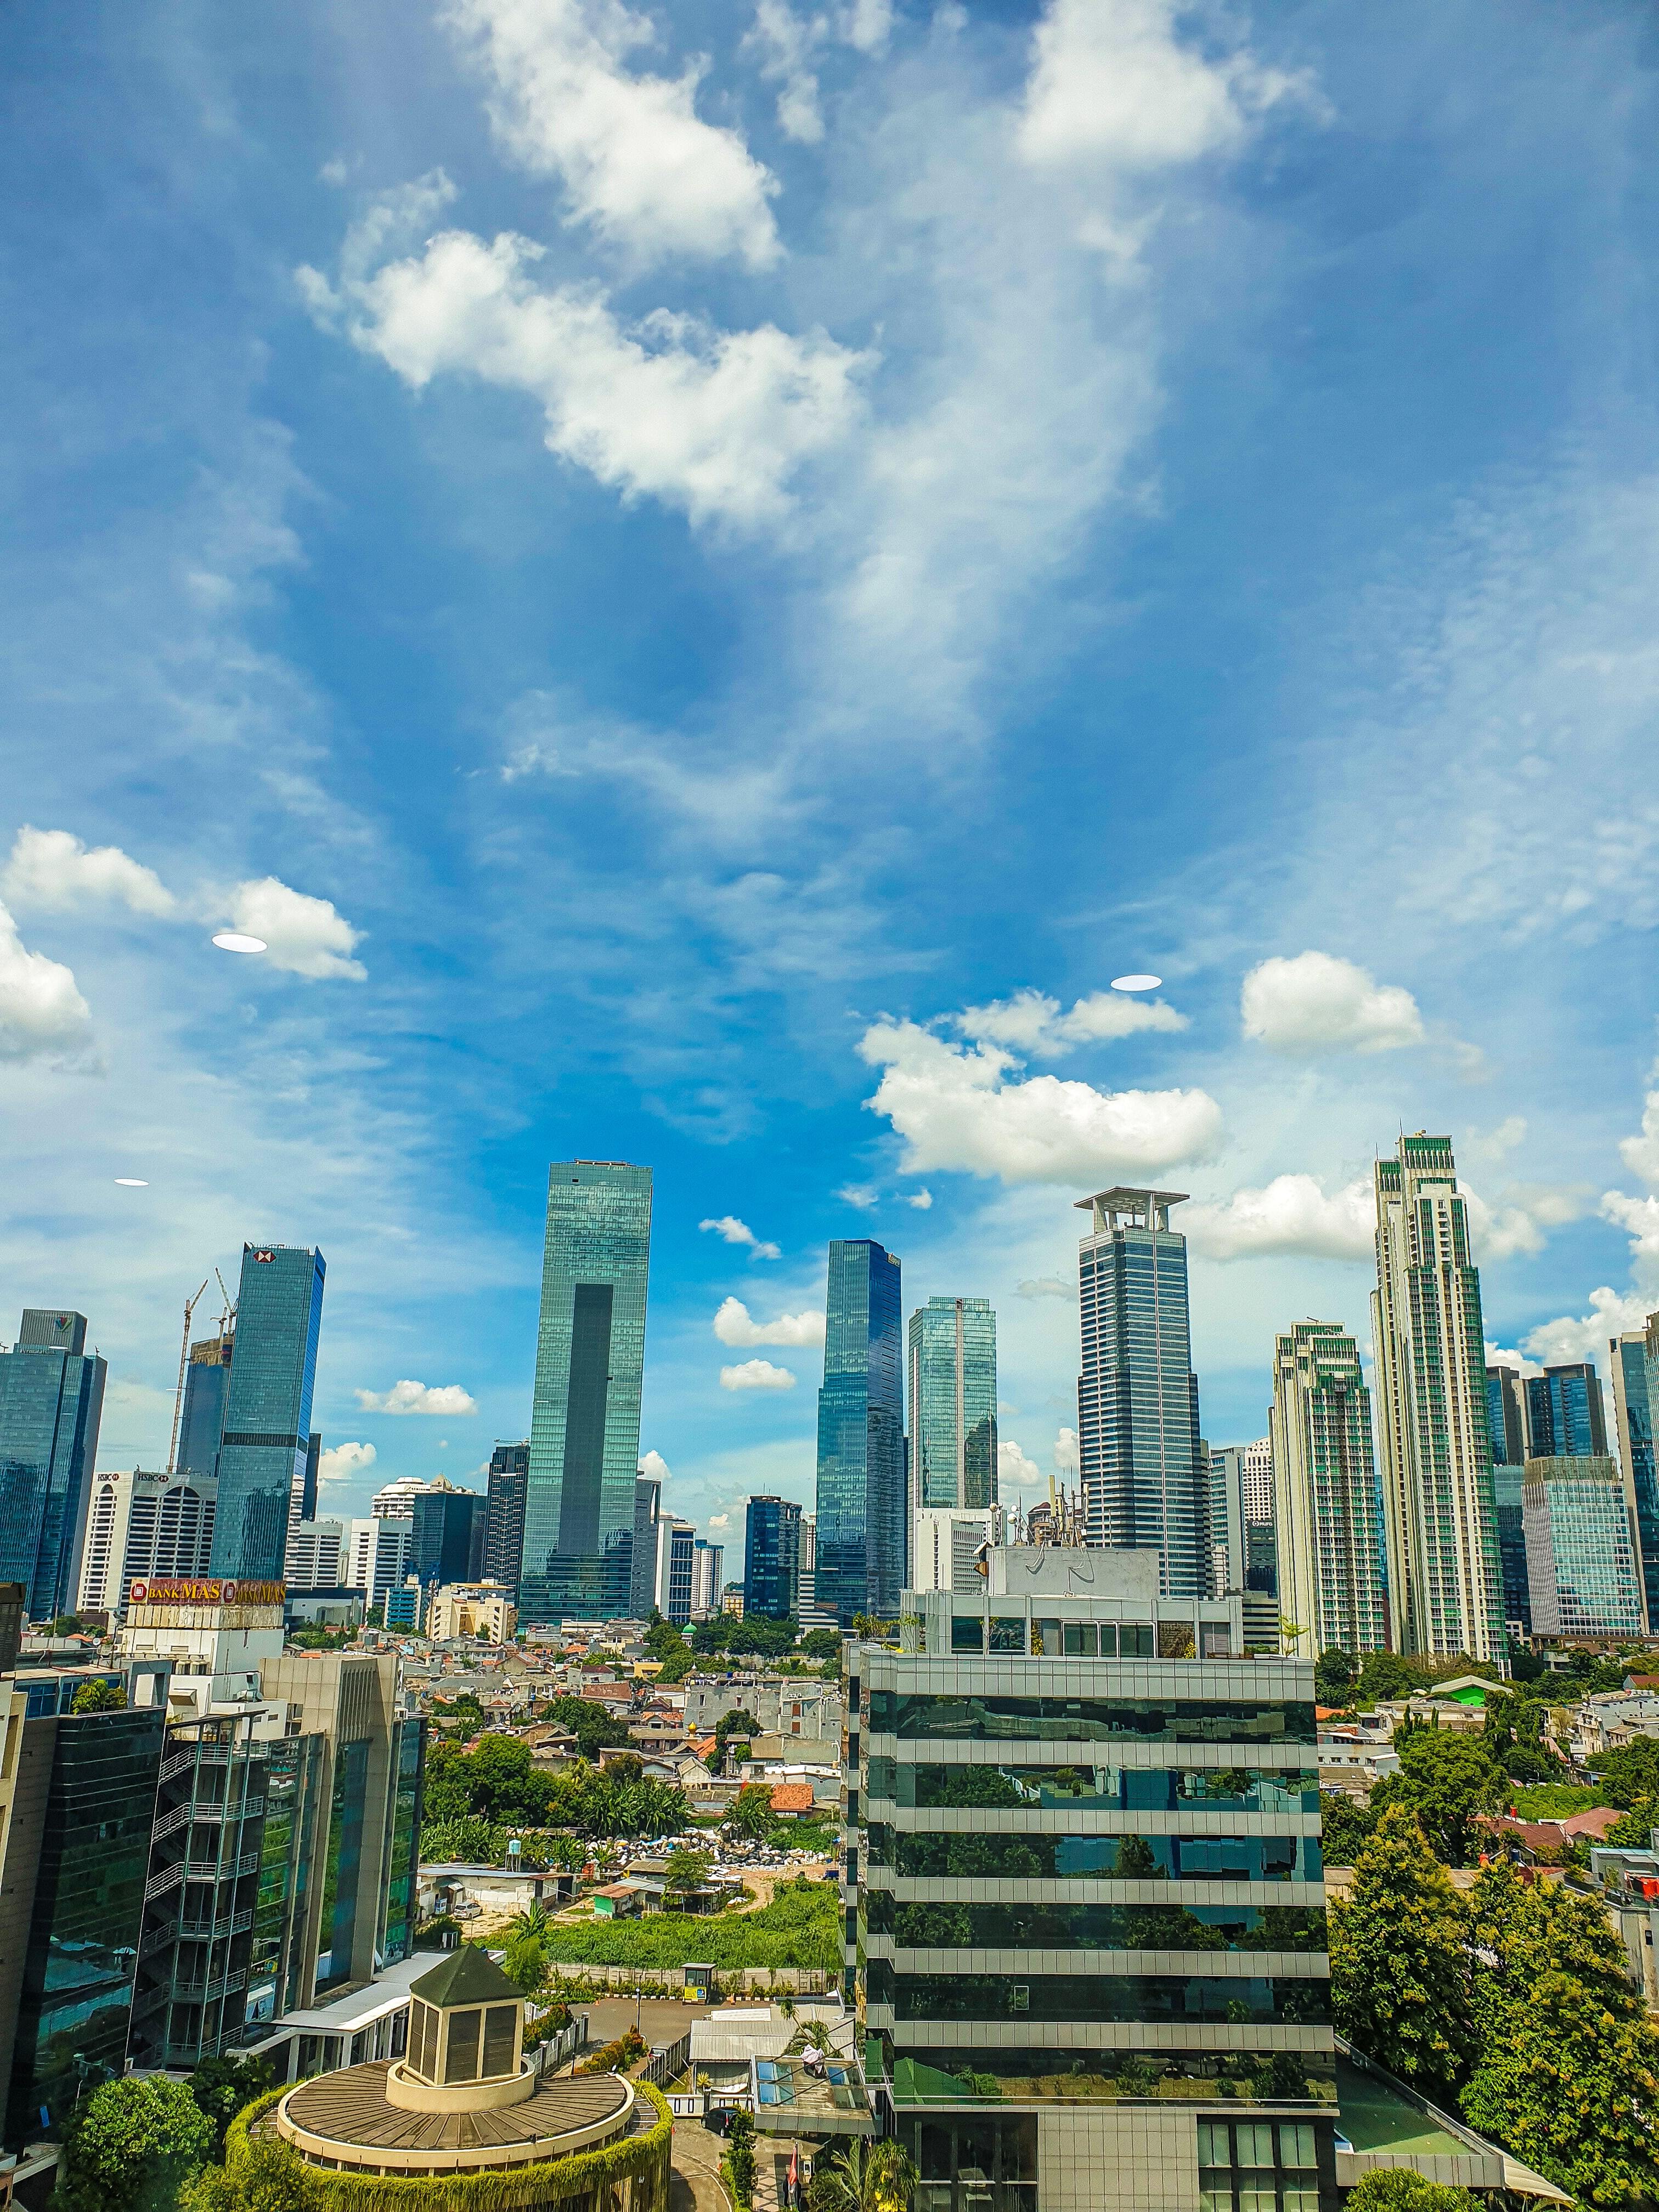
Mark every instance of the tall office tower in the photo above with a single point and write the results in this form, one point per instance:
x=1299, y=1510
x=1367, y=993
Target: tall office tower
x=707, y=1564
x=953, y=1403
x=1633, y=1382
x=771, y=1557
x=315, y=1556
x=397, y=1498
x=1329, y=1514
x=446, y=1533
x=1566, y=1415
x=1257, y=1476
x=202, y=1424
x=1581, y=1550
x=267, y=1433
x=642, y=1568
x=302, y=1501
x=51, y=1400
x=1445, y=1579
x=1143, y=1479
x=861, y=1483
x=376, y=1559
x=140, y=1525
x=1084, y=1910
x=1506, y=1431
x=585, y=1416
x=675, y=1557
x=1241, y=1544
x=509, y=1470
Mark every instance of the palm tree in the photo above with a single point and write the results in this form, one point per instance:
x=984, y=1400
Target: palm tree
x=531, y=1921
x=878, y=2177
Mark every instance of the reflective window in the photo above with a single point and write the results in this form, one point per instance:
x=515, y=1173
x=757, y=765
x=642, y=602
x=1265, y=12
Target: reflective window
x=912, y=1715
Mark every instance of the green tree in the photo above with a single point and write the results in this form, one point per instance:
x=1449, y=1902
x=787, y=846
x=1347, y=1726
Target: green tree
x=740, y=2160
x=98, y=1697
x=1345, y=1826
x=269, y=2177
x=1568, y=2072
x=1136, y=1860
x=530, y=1920
x=822, y=1643
x=679, y=1663
x=740, y=1726
x=662, y=1637
x=1397, y=2189
x=1400, y=1966
x=1634, y=1832
x=223, y=2086
x=1334, y=1676
x=1627, y=1775
x=751, y=1811
x=525, y=1963
x=131, y=2146
x=872, y=2177
x=686, y=1869
x=1385, y=1675
x=1449, y=1784
x=1514, y=1740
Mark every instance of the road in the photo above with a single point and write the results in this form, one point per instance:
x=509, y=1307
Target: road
x=697, y=2185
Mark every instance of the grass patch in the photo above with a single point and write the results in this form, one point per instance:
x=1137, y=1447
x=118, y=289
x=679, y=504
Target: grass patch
x=801, y=1927
x=1554, y=1800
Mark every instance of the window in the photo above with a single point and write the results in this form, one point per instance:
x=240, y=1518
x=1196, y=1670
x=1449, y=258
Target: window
x=1080, y=1637
x=461, y=2063
x=1212, y=2143
x=1020, y=1997
x=499, y=2024
x=1045, y=1639
x=1008, y=1634
x=1295, y=2143
x=967, y=1633
x=1255, y=2143
x=1215, y=2200
x=1301, y=2200
x=1257, y=2194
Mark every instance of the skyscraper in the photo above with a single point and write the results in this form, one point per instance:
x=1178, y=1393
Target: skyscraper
x=1445, y=1586
x=1143, y=1482
x=771, y=1566
x=953, y=1403
x=509, y=1470
x=1566, y=1415
x=1506, y=1431
x=51, y=1400
x=267, y=1431
x=860, y=1486
x=207, y=1379
x=590, y=1369
x=1241, y=1537
x=447, y=1535
x=1581, y=1552
x=1327, y=1513
x=1633, y=1358
x=706, y=1563
x=642, y=1570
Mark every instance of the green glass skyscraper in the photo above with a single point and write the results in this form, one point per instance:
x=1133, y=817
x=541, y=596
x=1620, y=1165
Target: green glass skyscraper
x=860, y=1560
x=51, y=1399
x=953, y=1405
x=267, y=1431
x=590, y=1369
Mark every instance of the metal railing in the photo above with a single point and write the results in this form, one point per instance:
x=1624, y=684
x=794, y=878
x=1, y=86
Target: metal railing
x=209, y=1931
x=205, y=1992
x=169, y=1878
x=667, y=2061
x=222, y=1869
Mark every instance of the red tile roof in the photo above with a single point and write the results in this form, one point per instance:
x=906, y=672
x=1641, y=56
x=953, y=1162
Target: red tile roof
x=792, y=1796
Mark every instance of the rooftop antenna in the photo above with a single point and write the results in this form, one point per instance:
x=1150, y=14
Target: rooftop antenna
x=183, y=1361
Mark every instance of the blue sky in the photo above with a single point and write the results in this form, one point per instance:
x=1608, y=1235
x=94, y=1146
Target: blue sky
x=708, y=576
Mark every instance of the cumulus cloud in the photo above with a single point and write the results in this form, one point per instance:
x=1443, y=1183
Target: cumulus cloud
x=719, y=1520
x=42, y=1014
x=1497, y=1144
x=407, y=1397
x=52, y=870
x=653, y=1464
x=1641, y=1154
x=921, y=1199
x=732, y=1325
x=1586, y=1336
x=787, y=46
x=714, y=422
x=957, y=1108
x=1045, y=1286
x=1293, y=1213
x=339, y=1463
x=1067, y=1458
x=1639, y=1218
x=757, y=1374
x=1521, y=1219
x=864, y=1195
x=1496, y=1356
x=1111, y=86
x=1016, y=1466
x=1032, y=1024
x=1316, y=1002
x=731, y=1230
x=638, y=164
x=303, y=935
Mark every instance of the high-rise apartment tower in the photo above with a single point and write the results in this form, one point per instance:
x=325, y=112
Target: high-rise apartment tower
x=860, y=1485
x=1328, y=1516
x=590, y=1369
x=1445, y=1584
x=509, y=1471
x=267, y=1432
x=1144, y=1481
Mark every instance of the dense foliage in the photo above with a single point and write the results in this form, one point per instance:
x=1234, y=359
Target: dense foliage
x=477, y=1801
x=1399, y=1962
x=131, y=2145
x=1449, y=1783
x=733, y=1636
x=1397, y=2189
x=801, y=1927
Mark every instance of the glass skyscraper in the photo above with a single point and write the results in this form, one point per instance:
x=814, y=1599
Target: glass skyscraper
x=953, y=1403
x=52, y=1400
x=509, y=1470
x=1565, y=1417
x=207, y=1380
x=771, y=1569
x=590, y=1370
x=1506, y=1430
x=1445, y=1577
x=1633, y=1358
x=1329, y=1513
x=267, y=1431
x=1581, y=1553
x=1144, y=1480
x=861, y=1562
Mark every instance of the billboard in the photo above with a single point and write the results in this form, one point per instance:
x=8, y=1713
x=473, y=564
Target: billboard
x=204, y=1590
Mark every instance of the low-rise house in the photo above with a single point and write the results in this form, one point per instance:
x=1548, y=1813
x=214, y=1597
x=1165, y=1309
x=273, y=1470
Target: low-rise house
x=615, y=1900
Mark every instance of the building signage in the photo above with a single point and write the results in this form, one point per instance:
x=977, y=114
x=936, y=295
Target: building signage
x=179, y=1590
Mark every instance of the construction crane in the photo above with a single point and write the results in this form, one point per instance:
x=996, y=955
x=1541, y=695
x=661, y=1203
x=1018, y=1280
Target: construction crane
x=183, y=1361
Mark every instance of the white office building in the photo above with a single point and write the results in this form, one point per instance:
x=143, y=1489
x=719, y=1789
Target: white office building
x=948, y=1545
x=376, y=1556
x=395, y=1500
x=316, y=1556
x=141, y=1525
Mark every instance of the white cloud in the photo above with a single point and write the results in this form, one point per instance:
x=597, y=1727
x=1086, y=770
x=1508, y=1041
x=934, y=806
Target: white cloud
x=1031, y=1022
x=408, y=1397
x=864, y=1195
x=1013, y=1464
x=786, y=43
x=1639, y=1218
x=1586, y=1337
x=1293, y=1213
x=302, y=934
x=732, y=1325
x=757, y=1374
x=734, y=1232
x=1496, y=1144
x=50, y=869
x=955, y=1109
x=653, y=1464
x=1641, y=1154
x=639, y=164
x=719, y=1520
x=42, y=1014
x=1067, y=1458
x=921, y=1199
x=1111, y=85
x=1521, y=1220
x=1045, y=1286
x=1496, y=1356
x=339, y=1463
x=1316, y=1002
x=712, y=421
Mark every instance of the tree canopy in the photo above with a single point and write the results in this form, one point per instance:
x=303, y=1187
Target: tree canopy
x=1400, y=1968
x=132, y=2145
x=754, y=1632
x=1447, y=1781
x=1629, y=1773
